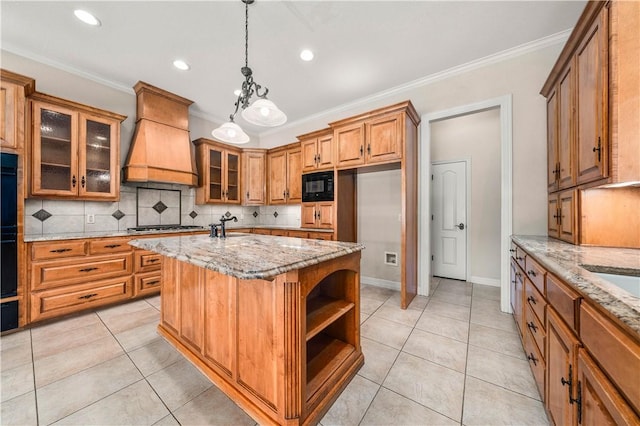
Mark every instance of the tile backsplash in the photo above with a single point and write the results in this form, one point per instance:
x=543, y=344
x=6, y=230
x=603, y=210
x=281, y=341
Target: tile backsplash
x=156, y=204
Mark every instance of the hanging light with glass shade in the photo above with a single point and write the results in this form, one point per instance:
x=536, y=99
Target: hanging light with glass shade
x=261, y=112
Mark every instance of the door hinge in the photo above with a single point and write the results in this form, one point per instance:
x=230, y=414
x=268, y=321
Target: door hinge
x=431, y=177
x=431, y=217
x=431, y=257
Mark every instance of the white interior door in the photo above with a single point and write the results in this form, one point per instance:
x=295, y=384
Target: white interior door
x=449, y=220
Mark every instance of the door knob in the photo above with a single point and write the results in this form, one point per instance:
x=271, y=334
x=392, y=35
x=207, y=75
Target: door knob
x=461, y=226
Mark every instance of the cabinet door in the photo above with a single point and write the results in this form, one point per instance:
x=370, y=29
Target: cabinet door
x=591, y=102
x=516, y=294
x=599, y=401
x=8, y=114
x=349, y=142
x=215, y=188
x=553, y=216
x=566, y=137
x=231, y=172
x=54, y=162
x=325, y=215
x=309, y=155
x=308, y=215
x=325, y=152
x=294, y=176
x=99, y=162
x=384, y=139
x=254, y=166
x=552, y=141
x=561, y=381
x=277, y=177
x=568, y=216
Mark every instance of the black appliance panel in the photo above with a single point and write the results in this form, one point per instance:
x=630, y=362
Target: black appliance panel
x=318, y=186
x=9, y=225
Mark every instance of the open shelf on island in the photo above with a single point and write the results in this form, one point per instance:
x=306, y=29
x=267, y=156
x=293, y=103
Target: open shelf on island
x=324, y=355
x=322, y=311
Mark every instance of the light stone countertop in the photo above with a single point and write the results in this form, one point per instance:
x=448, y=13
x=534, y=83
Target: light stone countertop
x=248, y=256
x=564, y=260
x=104, y=234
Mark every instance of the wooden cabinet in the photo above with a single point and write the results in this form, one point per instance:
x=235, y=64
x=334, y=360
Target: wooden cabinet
x=75, y=150
x=14, y=89
x=254, y=174
x=560, y=133
x=317, y=215
x=377, y=139
x=317, y=150
x=516, y=294
x=285, y=174
x=219, y=173
x=562, y=219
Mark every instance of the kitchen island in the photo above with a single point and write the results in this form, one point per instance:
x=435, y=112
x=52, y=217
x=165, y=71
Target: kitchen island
x=274, y=322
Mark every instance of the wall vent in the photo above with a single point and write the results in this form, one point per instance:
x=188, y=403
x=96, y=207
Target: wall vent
x=390, y=258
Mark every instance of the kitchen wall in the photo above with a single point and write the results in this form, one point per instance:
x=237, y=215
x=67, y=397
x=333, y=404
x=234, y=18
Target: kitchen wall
x=378, y=226
x=476, y=137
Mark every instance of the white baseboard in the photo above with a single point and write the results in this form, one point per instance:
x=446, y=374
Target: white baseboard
x=494, y=282
x=393, y=285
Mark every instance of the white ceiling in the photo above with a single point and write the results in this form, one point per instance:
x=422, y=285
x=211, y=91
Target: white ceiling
x=361, y=47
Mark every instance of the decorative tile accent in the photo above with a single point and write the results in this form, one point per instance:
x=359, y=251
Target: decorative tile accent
x=159, y=207
x=228, y=213
x=193, y=214
x=275, y=214
x=255, y=214
x=42, y=215
x=117, y=214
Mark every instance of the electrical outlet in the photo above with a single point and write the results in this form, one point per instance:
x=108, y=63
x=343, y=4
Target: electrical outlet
x=91, y=218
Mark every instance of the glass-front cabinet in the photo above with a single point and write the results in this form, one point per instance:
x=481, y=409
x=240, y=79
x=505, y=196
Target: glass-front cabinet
x=75, y=153
x=219, y=172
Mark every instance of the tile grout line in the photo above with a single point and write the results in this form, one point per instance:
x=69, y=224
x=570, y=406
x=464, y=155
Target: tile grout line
x=33, y=368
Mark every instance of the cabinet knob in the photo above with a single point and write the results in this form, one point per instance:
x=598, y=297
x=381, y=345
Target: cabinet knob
x=533, y=359
x=368, y=149
x=531, y=273
x=83, y=181
x=361, y=150
x=531, y=299
x=73, y=181
x=598, y=149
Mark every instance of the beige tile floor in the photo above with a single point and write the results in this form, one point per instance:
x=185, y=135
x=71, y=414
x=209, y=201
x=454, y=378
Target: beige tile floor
x=452, y=358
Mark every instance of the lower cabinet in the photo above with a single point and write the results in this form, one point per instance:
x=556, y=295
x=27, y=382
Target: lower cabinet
x=585, y=364
x=317, y=215
x=563, y=216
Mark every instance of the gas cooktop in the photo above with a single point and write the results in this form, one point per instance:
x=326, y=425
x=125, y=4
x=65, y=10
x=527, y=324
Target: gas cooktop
x=164, y=228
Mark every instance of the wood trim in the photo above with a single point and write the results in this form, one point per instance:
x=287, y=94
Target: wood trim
x=406, y=107
x=42, y=97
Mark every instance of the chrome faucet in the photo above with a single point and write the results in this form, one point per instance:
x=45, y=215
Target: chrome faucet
x=223, y=233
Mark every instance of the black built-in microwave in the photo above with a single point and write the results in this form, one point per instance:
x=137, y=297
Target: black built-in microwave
x=317, y=186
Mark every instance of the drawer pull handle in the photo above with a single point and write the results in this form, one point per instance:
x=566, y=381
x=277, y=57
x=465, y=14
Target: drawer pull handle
x=531, y=299
x=59, y=250
x=519, y=258
x=532, y=326
x=512, y=250
x=532, y=273
x=113, y=245
x=88, y=296
x=88, y=269
x=532, y=358
x=153, y=260
x=156, y=282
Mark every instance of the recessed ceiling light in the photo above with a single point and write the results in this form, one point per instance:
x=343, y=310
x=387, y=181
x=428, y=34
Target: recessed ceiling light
x=181, y=65
x=306, y=55
x=86, y=17
x=237, y=92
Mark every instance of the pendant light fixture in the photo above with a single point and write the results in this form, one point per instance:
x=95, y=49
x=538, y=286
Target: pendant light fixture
x=261, y=112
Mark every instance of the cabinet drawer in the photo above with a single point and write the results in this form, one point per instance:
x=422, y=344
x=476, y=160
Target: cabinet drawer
x=43, y=251
x=535, y=301
x=520, y=257
x=59, y=273
x=535, y=329
x=147, y=261
x=617, y=353
x=109, y=246
x=64, y=300
x=262, y=231
x=298, y=234
x=321, y=236
x=147, y=283
x=535, y=273
x=536, y=362
x=279, y=232
x=564, y=301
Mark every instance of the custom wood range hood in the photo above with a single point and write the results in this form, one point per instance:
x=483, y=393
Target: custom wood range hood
x=161, y=149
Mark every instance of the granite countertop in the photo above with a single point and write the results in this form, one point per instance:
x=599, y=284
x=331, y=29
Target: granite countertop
x=248, y=256
x=564, y=260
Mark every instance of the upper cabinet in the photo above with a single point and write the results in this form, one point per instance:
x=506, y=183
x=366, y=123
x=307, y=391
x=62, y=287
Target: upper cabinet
x=593, y=107
x=376, y=137
x=317, y=150
x=254, y=173
x=219, y=172
x=285, y=174
x=75, y=150
x=14, y=88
